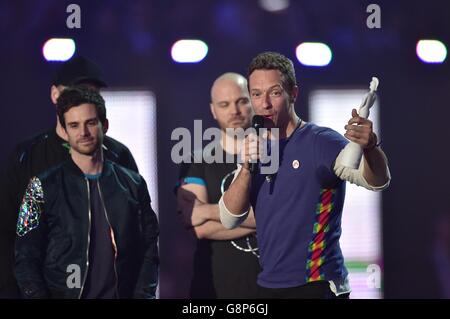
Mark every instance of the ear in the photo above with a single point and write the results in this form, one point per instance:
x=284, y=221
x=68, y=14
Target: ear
x=105, y=126
x=211, y=105
x=294, y=94
x=64, y=133
x=54, y=94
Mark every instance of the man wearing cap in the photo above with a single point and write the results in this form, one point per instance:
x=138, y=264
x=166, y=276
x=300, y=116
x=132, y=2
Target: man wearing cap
x=39, y=153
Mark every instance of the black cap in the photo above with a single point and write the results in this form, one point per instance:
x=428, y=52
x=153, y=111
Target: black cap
x=79, y=70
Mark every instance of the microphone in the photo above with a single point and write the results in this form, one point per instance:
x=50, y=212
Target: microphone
x=257, y=123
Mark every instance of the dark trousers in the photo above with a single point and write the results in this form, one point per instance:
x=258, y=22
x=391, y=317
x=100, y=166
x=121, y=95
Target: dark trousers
x=312, y=290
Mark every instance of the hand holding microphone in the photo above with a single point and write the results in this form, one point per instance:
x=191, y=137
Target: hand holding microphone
x=257, y=123
x=250, y=150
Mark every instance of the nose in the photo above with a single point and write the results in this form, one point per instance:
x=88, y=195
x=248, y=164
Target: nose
x=235, y=109
x=266, y=101
x=85, y=131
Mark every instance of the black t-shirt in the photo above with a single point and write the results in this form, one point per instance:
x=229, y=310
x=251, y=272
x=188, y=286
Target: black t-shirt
x=222, y=268
x=101, y=280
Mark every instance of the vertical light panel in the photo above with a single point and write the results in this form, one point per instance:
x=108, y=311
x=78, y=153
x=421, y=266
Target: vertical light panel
x=361, y=218
x=132, y=121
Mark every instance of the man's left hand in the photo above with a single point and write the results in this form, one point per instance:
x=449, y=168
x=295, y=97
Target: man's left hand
x=359, y=130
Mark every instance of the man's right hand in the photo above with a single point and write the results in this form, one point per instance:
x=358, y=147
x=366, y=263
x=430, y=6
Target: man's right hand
x=250, y=150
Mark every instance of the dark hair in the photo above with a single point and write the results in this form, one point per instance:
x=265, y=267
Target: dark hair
x=275, y=61
x=77, y=95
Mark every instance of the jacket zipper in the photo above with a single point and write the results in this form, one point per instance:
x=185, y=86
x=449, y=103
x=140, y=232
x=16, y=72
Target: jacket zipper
x=88, y=239
x=112, y=238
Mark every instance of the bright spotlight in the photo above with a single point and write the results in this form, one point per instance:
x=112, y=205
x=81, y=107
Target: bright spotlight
x=189, y=51
x=58, y=49
x=274, y=5
x=431, y=51
x=313, y=54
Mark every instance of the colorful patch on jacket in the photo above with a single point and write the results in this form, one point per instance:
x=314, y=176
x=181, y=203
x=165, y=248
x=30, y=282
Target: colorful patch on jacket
x=31, y=208
x=318, y=244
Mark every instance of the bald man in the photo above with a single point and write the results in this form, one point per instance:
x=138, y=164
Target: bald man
x=226, y=261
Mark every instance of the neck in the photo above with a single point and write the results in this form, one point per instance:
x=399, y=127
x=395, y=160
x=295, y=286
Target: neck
x=290, y=127
x=230, y=144
x=89, y=164
x=59, y=129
